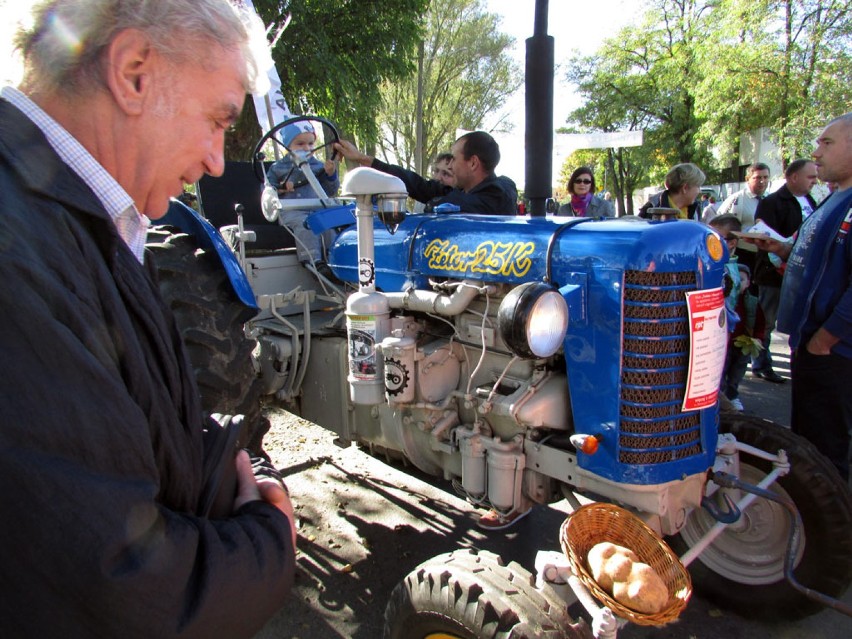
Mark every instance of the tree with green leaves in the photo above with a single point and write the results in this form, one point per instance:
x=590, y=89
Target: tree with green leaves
x=464, y=74
x=333, y=59
x=646, y=78
x=781, y=64
x=696, y=76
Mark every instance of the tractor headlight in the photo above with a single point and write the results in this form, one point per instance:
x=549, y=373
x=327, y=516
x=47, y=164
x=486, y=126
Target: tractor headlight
x=533, y=320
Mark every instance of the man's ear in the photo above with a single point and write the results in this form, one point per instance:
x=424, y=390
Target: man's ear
x=130, y=63
x=475, y=163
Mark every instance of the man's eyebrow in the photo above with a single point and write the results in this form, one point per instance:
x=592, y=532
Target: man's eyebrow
x=229, y=112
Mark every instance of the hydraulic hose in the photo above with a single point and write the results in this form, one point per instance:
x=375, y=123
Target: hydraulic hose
x=726, y=480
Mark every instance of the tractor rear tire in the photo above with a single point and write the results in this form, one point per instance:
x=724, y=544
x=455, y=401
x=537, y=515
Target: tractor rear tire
x=743, y=568
x=210, y=318
x=473, y=595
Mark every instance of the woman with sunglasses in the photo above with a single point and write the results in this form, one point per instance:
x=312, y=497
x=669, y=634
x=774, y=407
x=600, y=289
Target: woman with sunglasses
x=584, y=202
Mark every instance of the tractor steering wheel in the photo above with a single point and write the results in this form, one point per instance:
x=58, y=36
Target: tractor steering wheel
x=329, y=137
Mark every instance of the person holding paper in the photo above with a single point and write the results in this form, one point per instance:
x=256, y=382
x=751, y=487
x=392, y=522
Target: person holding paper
x=783, y=212
x=816, y=303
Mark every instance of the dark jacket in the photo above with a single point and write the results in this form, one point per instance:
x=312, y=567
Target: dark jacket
x=496, y=195
x=752, y=320
x=817, y=290
x=661, y=199
x=782, y=212
x=101, y=445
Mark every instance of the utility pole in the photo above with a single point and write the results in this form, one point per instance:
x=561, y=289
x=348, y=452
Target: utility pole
x=418, y=114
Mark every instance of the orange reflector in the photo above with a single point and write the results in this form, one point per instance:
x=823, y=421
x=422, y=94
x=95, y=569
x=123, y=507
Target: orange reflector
x=590, y=445
x=714, y=247
x=587, y=444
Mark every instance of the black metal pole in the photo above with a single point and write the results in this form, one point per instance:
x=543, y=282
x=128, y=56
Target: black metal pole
x=538, y=137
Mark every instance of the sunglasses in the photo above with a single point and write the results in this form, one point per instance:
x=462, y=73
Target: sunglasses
x=582, y=181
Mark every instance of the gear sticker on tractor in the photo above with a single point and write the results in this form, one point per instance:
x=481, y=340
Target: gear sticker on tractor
x=396, y=377
x=366, y=272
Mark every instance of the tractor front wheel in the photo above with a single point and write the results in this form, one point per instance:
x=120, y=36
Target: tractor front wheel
x=473, y=595
x=743, y=569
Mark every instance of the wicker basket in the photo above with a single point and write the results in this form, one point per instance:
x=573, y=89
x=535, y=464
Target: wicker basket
x=599, y=522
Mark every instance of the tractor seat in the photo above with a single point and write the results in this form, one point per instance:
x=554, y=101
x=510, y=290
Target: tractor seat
x=218, y=197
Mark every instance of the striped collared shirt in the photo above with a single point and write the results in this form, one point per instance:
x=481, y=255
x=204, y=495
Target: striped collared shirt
x=131, y=224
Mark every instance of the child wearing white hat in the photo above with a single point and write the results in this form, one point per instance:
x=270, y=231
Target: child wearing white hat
x=287, y=176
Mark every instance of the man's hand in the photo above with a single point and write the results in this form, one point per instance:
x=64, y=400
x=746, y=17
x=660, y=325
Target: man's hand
x=781, y=249
x=821, y=343
x=348, y=150
x=250, y=488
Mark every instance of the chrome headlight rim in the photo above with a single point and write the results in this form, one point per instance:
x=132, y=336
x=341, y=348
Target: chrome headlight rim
x=533, y=320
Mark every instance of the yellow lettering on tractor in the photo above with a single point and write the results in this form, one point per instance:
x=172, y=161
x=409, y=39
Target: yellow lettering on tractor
x=492, y=258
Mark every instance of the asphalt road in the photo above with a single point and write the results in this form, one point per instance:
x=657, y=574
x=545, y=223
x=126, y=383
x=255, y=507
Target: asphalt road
x=364, y=525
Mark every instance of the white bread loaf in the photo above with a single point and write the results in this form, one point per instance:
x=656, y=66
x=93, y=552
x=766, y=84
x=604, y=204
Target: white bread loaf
x=631, y=583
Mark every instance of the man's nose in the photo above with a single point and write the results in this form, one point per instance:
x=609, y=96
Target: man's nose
x=214, y=165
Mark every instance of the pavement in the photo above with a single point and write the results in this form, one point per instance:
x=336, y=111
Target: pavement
x=768, y=400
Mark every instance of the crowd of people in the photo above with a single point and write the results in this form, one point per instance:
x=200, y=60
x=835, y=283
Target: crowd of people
x=799, y=279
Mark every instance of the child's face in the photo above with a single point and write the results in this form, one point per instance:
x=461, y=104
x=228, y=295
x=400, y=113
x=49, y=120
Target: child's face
x=303, y=142
x=745, y=280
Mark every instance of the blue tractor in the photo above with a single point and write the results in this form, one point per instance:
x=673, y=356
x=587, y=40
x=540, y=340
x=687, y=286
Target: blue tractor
x=526, y=359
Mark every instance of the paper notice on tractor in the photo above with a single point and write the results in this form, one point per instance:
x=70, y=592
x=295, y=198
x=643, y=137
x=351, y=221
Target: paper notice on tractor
x=708, y=336
x=361, y=330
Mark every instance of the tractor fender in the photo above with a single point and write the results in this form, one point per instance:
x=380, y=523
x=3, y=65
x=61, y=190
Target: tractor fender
x=208, y=237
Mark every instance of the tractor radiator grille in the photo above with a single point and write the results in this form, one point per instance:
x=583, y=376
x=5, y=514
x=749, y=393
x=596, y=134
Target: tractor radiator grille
x=655, y=359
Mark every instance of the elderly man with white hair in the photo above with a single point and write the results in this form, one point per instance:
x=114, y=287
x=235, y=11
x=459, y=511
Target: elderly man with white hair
x=106, y=477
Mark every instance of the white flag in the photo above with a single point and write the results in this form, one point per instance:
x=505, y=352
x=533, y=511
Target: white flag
x=269, y=102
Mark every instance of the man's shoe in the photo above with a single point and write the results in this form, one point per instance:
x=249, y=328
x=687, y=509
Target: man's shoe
x=770, y=376
x=492, y=520
x=736, y=404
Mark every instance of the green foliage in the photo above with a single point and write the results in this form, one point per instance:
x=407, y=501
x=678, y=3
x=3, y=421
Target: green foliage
x=695, y=75
x=749, y=345
x=333, y=58
x=781, y=64
x=467, y=74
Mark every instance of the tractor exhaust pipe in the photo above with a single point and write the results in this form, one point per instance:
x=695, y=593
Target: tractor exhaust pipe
x=538, y=137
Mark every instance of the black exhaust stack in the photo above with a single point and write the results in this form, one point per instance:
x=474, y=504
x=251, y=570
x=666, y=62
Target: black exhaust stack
x=538, y=139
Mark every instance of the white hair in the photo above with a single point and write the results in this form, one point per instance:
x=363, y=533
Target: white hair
x=63, y=49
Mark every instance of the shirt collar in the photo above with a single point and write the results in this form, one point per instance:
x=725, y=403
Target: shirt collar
x=115, y=200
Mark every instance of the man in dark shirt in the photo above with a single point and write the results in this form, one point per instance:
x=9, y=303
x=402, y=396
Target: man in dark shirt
x=783, y=211
x=477, y=188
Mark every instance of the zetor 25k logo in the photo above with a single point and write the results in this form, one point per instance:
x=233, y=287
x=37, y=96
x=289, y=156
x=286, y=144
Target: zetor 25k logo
x=510, y=259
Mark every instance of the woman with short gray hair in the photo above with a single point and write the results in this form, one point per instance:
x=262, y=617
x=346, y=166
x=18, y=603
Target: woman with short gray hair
x=683, y=182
